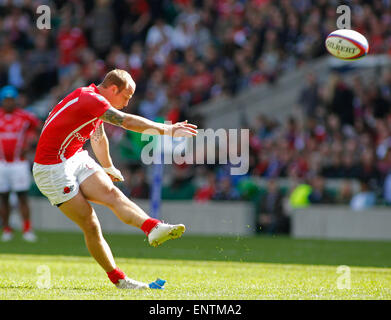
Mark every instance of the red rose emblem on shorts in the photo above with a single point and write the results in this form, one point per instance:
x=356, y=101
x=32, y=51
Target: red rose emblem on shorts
x=68, y=189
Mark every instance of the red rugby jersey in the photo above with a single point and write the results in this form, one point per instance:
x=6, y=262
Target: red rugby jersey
x=15, y=128
x=70, y=124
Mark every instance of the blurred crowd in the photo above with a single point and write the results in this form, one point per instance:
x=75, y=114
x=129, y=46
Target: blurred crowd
x=344, y=134
x=185, y=52
x=180, y=52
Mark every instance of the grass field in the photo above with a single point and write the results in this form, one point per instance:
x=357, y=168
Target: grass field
x=197, y=268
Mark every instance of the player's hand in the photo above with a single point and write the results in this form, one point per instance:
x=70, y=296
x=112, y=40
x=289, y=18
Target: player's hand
x=114, y=174
x=183, y=129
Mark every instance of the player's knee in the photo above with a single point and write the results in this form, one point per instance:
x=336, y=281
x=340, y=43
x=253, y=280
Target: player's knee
x=113, y=195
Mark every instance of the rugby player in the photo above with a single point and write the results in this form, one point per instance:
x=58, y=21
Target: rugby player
x=71, y=179
x=18, y=129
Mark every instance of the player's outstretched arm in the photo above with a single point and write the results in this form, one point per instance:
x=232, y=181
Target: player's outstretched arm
x=140, y=124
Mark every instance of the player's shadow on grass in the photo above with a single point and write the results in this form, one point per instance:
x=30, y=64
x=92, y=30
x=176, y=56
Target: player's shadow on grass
x=264, y=249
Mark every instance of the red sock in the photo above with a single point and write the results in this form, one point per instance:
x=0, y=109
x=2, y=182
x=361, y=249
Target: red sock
x=7, y=229
x=26, y=225
x=116, y=275
x=149, y=224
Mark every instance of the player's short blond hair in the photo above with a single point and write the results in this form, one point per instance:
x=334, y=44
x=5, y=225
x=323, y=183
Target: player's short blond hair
x=119, y=78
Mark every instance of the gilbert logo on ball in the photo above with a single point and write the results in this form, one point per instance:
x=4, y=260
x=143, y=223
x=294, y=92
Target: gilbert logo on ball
x=347, y=44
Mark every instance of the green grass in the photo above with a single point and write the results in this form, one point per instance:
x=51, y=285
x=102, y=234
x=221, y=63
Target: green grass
x=198, y=268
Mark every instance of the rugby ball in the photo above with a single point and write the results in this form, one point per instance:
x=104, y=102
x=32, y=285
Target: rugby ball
x=347, y=44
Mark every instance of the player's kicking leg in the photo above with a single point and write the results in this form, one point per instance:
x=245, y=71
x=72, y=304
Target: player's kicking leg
x=100, y=189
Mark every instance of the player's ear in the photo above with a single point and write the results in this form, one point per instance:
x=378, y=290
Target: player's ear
x=114, y=89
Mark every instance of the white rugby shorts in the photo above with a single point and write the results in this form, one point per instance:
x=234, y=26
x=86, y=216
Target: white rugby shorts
x=15, y=176
x=60, y=182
